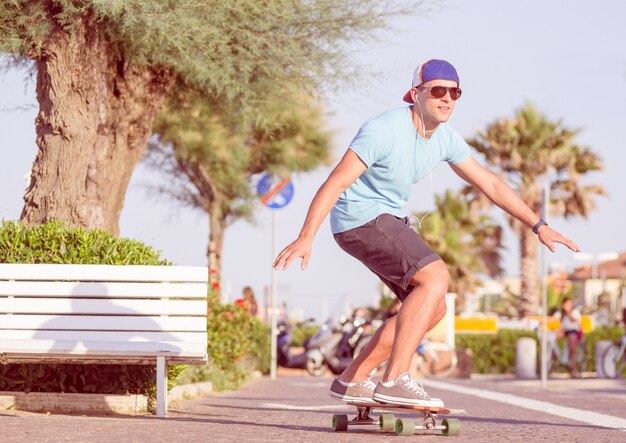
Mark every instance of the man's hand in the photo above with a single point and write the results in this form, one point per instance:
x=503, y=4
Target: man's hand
x=345, y=173
x=549, y=237
x=299, y=248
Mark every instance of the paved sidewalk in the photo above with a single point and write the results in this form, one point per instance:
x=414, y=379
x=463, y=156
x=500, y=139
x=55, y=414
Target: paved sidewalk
x=297, y=408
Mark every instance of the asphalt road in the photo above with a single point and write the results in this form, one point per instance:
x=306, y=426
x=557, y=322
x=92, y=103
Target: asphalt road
x=297, y=408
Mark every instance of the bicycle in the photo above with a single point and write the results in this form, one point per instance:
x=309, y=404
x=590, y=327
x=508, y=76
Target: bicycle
x=437, y=359
x=559, y=356
x=613, y=360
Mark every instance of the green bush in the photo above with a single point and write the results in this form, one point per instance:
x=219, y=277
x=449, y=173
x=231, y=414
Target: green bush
x=118, y=379
x=493, y=353
x=259, y=355
x=237, y=345
x=56, y=243
x=613, y=333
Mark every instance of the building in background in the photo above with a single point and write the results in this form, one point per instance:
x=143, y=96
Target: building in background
x=601, y=283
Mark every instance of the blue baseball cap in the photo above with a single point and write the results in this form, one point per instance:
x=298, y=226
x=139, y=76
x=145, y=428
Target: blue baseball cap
x=432, y=70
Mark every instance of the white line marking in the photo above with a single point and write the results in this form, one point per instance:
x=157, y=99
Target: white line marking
x=302, y=408
x=594, y=418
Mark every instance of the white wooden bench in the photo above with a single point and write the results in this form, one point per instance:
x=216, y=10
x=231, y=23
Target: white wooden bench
x=104, y=314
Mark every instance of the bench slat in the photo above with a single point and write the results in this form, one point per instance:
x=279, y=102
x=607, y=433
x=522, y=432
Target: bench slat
x=103, y=313
x=100, y=348
x=103, y=336
x=24, y=305
x=99, y=323
x=93, y=359
x=107, y=290
x=103, y=273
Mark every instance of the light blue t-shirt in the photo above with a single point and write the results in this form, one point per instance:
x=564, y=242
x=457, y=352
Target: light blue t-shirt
x=396, y=157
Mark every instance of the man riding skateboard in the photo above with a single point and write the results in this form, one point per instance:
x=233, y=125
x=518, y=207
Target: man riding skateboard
x=366, y=192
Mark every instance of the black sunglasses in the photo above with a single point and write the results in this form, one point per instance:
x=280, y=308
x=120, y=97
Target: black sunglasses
x=441, y=91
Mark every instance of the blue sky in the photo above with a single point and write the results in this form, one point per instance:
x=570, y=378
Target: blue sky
x=566, y=57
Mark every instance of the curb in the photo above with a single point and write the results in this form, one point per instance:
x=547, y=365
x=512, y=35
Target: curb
x=73, y=403
x=186, y=392
x=106, y=404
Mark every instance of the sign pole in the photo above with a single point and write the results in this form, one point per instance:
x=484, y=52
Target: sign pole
x=274, y=299
x=544, y=294
x=275, y=193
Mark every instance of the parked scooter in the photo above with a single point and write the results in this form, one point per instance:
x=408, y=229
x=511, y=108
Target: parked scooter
x=285, y=355
x=336, y=343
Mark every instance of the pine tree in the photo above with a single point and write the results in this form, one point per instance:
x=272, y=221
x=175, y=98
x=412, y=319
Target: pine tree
x=104, y=68
x=209, y=154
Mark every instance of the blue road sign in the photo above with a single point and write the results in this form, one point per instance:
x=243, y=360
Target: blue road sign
x=275, y=192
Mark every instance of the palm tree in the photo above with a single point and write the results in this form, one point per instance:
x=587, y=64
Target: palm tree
x=467, y=240
x=527, y=151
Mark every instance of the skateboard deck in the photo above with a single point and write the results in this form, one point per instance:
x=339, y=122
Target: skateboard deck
x=425, y=420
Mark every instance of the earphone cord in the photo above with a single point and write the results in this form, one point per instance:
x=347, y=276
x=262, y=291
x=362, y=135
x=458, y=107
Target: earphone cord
x=430, y=176
x=432, y=193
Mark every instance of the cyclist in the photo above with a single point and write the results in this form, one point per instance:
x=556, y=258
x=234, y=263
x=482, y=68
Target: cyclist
x=570, y=329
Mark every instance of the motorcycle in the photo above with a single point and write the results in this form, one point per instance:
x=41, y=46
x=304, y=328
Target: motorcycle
x=336, y=343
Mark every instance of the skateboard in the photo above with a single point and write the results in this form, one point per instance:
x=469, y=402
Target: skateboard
x=425, y=421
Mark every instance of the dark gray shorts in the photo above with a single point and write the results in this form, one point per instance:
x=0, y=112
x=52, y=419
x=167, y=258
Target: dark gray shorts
x=390, y=248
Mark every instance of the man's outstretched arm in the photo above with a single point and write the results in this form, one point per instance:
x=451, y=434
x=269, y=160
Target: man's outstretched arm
x=345, y=173
x=504, y=197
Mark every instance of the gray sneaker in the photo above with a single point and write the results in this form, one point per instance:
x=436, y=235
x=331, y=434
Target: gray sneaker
x=405, y=390
x=358, y=392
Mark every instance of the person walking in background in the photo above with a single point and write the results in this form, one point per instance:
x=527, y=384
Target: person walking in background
x=367, y=191
x=571, y=329
x=248, y=301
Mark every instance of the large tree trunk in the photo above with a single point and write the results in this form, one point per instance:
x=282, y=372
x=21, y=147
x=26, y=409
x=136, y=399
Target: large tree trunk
x=458, y=285
x=217, y=228
x=529, y=273
x=530, y=193
x=95, y=118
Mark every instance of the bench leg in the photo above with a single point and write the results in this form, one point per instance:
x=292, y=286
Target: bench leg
x=161, y=387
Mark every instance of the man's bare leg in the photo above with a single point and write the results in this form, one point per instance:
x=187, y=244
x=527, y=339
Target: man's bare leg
x=380, y=347
x=419, y=310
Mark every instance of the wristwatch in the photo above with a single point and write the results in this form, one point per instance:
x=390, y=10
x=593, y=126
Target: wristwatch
x=539, y=224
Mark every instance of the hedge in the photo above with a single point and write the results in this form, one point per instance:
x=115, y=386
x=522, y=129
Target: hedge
x=55, y=242
x=237, y=342
x=495, y=353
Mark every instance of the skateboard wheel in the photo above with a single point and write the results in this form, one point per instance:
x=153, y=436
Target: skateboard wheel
x=387, y=422
x=340, y=423
x=405, y=426
x=453, y=426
